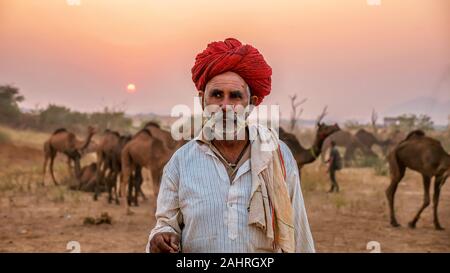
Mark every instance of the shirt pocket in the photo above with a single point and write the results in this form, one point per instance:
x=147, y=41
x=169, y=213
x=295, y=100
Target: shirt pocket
x=204, y=244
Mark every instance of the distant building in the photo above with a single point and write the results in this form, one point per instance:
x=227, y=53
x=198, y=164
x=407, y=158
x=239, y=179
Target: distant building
x=391, y=121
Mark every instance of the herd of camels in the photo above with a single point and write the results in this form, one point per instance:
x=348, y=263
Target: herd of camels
x=125, y=156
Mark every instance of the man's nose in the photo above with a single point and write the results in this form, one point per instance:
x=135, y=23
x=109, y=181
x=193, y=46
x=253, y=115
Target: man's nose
x=226, y=105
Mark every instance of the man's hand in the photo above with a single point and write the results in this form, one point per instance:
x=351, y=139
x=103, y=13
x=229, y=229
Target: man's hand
x=165, y=242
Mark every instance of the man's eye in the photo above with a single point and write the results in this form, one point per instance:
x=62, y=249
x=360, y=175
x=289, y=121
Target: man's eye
x=216, y=95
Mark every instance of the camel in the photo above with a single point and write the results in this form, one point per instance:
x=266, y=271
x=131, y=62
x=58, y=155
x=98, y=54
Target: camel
x=305, y=156
x=146, y=150
x=63, y=141
x=91, y=148
x=347, y=140
x=426, y=156
x=163, y=135
x=369, y=140
x=109, y=159
x=87, y=180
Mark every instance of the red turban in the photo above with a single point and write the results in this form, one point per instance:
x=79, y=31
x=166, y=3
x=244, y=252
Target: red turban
x=231, y=55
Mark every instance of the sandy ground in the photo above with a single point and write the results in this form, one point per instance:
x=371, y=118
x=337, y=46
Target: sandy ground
x=45, y=219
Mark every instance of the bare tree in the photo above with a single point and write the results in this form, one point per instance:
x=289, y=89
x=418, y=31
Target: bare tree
x=322, y=115
x=295, y=114
x=374, y=119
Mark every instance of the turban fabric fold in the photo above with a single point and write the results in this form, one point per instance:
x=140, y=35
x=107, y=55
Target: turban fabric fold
x=232, y=55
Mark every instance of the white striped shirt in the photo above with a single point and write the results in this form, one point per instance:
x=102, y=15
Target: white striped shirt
x=196, y=192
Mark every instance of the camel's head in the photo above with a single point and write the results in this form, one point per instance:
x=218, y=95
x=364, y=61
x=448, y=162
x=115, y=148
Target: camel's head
x=324, y=130
x=91, y=130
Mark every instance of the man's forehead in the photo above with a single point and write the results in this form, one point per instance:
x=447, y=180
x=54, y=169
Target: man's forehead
x=227, y=80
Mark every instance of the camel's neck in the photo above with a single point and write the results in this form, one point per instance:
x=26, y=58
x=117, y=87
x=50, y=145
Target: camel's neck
x=318, y=143
x=306, y=156
x=86, y=142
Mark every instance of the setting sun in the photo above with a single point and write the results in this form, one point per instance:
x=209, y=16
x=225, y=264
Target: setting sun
x=131, y=88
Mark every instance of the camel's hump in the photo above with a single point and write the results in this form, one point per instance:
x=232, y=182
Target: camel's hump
x=152, y=123
x=415, y=133
x=59, y=130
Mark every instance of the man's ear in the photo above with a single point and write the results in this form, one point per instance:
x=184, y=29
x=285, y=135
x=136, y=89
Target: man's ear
x=254, y=100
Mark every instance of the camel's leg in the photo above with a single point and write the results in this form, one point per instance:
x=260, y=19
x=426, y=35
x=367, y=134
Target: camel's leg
x=116, y=197
x=113, y=187
x=101, y=168
x=138, y=184
x=131, y=197
x=426, y=200
x=45, y=168
x=126, y=173
x=109, y=183
x=438, y=182
x=132, y=187
x=69, y=167
x=77, y=163
x=52, y=161
x=115, y=171
x=397, y=173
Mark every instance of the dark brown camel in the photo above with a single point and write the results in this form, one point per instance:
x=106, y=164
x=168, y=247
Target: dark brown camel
x=63, y=141
x=305, y=156
x=369, y=140
x=426, y=156
x=109, y=160
x=349, y=142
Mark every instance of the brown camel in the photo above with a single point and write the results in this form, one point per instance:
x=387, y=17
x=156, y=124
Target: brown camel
x=145, y=151
x=305, y=156
x=87, y=179
x=349, y=142
x=369, y=140
x=163, y=135
x=109, y=160
x=63, y=141
x=426, y=156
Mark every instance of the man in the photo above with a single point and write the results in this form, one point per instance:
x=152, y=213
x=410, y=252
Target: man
x=334, y=165
x=222, y=195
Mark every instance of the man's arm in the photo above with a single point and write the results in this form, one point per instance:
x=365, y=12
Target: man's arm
x=303, y=237
x=167, y=231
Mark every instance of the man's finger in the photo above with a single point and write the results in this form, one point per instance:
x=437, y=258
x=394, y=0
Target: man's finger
x=174, y=242
x=171, y=239
x=163, y=245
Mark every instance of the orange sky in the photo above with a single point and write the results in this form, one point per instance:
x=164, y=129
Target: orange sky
x=343, y=53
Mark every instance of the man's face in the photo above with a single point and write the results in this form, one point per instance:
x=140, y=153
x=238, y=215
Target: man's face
x=229, y=93
x=226, y=89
